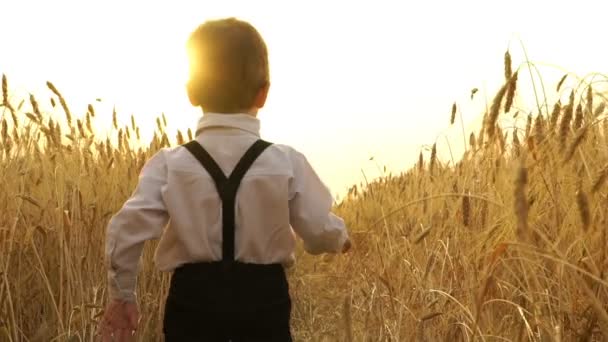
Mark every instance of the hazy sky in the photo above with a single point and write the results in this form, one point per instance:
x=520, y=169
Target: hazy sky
x=350, y=80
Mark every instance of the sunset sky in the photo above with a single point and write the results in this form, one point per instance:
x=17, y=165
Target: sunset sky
x=350, y=80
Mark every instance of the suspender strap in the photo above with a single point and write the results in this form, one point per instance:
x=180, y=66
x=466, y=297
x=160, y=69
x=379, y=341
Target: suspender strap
x=227, y=187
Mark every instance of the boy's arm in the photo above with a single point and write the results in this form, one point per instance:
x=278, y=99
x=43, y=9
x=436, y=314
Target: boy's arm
x=310, y=211
x=141, y=218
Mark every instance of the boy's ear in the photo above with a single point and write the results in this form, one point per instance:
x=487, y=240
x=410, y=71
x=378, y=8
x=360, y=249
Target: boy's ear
x=192, y=90
x=260, y=98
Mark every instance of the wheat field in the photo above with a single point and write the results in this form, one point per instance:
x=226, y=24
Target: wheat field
x=506, y=244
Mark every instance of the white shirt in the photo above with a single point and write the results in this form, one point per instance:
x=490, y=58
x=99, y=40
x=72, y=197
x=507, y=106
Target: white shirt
x=176, y=201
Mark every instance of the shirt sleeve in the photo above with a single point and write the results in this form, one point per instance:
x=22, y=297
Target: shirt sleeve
x=142, y=217
x=310, y=211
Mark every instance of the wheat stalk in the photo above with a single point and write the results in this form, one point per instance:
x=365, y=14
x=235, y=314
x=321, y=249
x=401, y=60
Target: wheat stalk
x=557, y=108
x=583, y=208
x=539, y=129
x=566, y=118
x=511, y=88
x=528, y=126
x=490, y=124
x=466, y=210
x=599, y=110
x=4, y=91
x=66, y=110
x=5, y=136
x=589, y=101
x=578, y=139
x=508, y=67
x=180, y=138
x=578, y=118
x=35, y=107
x=521, y=202
x=472, y=141
x=516, y=143
x=433, y=160
x=600, y=179
x=114, y=119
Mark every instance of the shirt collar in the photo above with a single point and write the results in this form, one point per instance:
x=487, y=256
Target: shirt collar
x=244, y=122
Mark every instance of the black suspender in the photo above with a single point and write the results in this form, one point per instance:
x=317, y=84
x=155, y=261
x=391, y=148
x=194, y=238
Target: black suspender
x=227, y=187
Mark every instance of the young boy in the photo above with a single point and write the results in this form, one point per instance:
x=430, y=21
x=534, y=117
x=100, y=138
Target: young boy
x=230, y=203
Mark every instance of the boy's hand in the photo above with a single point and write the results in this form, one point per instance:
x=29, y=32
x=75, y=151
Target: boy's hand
x=347, y=245
x=119, y=321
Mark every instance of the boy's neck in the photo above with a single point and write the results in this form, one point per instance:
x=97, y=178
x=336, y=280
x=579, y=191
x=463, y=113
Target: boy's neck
x=253, y=112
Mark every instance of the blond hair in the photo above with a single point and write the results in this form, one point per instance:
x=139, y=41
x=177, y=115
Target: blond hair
x=228, y=65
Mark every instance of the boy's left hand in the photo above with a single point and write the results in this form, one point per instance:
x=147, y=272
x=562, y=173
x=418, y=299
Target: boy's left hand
x=119, y=321
x=347, y=245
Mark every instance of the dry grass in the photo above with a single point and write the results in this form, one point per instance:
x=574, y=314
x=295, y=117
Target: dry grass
x=508, y=244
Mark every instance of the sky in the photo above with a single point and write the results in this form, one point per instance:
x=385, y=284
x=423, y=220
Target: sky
x=356, y=85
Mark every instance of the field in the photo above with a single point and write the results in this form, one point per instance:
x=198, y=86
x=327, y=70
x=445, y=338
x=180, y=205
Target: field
x=506, y=244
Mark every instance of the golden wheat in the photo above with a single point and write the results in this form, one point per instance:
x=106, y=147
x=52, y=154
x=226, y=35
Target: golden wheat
x=511, y=88
x=564, y=128
x=583, y=207
x=489, y=248
x=578, y=118
x=557, y=108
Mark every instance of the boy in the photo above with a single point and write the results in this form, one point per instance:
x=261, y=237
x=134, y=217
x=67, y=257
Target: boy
x=228, y=238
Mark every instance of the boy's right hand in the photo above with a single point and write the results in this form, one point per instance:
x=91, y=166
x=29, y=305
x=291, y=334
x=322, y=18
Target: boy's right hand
x=119, y=321
x=347, y=245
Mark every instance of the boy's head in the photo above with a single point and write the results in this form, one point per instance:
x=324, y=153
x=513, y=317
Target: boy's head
x=228, y=67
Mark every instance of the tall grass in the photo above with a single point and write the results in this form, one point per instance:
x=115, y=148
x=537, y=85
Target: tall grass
x=507, y=244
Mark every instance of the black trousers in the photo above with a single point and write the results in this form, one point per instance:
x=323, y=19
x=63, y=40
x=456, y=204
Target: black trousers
x=247, y=302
